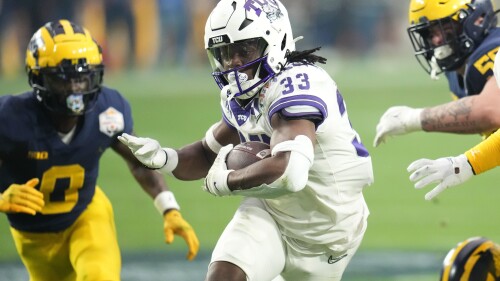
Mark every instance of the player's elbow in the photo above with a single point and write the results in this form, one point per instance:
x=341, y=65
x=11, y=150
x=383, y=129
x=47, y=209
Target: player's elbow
x=293, y=182
x=494, y=119
x=490, y=117
x=296, y=174
x=485, y=111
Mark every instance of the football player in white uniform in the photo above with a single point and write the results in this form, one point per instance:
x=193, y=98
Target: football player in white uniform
x=303, y=215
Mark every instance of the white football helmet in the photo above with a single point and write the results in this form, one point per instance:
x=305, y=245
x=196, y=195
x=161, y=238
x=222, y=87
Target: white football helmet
x=247, y=42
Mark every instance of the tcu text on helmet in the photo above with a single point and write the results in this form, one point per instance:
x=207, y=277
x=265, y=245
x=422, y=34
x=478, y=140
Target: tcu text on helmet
x=219, y=40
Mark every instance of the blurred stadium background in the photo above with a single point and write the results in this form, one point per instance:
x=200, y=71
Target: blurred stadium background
x=154, y=55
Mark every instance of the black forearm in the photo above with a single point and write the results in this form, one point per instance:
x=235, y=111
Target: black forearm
x=151, y=181
x=194, y=162
x=262, y=172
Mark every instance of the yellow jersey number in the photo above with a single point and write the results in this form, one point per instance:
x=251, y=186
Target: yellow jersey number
x=75, y=174
x=486, y=62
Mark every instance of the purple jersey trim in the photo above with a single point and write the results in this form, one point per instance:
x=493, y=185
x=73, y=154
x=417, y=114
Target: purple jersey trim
x=340, y=102
x=360, y=148
x=300, y=100
x=227, y=121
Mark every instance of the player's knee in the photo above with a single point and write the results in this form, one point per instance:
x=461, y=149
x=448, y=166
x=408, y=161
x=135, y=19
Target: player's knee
x=96, y=271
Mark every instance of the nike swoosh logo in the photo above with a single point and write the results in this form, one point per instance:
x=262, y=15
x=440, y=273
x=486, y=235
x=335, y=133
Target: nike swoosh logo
x=332, y=260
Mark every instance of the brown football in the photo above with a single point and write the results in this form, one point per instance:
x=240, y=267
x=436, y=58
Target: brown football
x=247, y=153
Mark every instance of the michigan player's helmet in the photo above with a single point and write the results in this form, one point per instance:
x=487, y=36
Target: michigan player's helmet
x=247, y=42
x=463, y=24
x=475, y=259
x=64, y=66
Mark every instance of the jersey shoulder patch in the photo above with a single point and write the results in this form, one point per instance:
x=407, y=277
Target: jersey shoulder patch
x=114, y=113
x=111, y=121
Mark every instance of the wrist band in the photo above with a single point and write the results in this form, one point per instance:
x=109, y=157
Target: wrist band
x=166, y=160
x=165, y=200
x=214, y=145
x=414, y=122
x=171, y=162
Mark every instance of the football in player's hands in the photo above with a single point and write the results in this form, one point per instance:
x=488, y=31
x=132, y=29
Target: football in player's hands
x=247, y=153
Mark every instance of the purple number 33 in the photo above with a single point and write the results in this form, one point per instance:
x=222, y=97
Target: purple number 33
x=302, y=83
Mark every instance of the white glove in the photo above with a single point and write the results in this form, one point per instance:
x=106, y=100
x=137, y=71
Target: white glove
x=146, y=150
x=397, y=120
x=216, y=179
x=448, y=172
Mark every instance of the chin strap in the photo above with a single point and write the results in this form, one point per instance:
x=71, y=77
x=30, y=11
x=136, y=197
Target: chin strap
x=298, y=38
x=226, y=92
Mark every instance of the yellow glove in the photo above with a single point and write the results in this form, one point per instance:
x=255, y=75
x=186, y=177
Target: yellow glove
x=173, y=223
x=22, y=198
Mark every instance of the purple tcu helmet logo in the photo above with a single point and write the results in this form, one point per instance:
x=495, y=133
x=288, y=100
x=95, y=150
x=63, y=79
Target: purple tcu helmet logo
x=269, y=7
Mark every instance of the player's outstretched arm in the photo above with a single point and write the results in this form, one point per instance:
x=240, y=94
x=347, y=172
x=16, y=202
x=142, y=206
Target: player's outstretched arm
x=451, y=171
x=397, y=120
x=22, y=198
x=149, y=152
x=190, y=162
x=474, y=114
x=446, y=172
x=154, y=184
x=485, y=155
x=468, y=115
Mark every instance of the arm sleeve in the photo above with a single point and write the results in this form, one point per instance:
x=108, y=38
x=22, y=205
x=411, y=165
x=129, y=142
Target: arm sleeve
x=485, y=155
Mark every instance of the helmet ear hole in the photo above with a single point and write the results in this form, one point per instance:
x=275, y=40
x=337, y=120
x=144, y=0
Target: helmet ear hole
x=283, y=43
x=34, y=79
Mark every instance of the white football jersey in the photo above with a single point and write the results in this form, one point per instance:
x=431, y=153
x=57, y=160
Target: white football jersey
x=331, y=209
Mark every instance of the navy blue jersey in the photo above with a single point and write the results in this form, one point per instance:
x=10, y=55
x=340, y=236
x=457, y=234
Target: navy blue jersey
x=478, y=69
x=30, y=147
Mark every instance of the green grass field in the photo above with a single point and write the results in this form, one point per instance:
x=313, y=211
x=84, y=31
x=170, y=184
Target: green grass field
x=176, y=107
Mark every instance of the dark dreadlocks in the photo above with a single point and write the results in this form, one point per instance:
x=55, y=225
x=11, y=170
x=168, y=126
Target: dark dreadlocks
x=306, y=56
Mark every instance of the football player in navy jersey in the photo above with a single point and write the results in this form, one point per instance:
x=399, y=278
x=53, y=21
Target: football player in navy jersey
x=459, y=38
x=451, y=171
x=52, y=139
